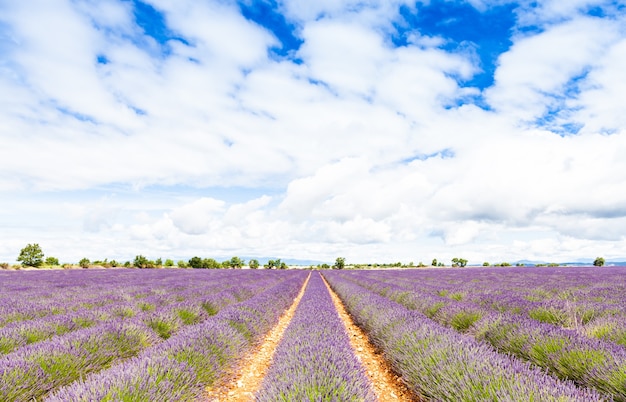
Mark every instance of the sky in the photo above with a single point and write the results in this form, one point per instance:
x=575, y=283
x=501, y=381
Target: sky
x=379, y=131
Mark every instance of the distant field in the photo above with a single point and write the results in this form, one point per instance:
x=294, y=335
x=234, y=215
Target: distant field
x=523, y=334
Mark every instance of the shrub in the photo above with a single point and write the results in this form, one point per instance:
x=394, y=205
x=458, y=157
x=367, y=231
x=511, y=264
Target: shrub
x=84, y=263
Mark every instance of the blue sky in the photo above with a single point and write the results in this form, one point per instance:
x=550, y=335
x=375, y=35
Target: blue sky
x=490, y=130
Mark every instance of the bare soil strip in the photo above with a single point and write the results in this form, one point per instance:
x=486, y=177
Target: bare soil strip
x=387, y=385
x=241, y=386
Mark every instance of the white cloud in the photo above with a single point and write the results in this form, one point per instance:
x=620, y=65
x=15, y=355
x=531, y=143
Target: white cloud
x=537, y=68
x=358, y=150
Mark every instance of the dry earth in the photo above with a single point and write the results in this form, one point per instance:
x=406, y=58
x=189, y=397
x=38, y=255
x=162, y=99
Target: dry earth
x=242, y=384
x=387, y=385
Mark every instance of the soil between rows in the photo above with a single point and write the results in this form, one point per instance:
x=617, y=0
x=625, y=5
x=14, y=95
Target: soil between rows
x=387, y=385
x=242, y=384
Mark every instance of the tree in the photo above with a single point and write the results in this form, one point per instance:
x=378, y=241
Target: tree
x=459, y=262
x=254, y=264
x=195, y=262
x=598, y=262
x=485, y=264
x=52, y=261
x=434, y=263
x=84, y=263
x=340, y=263
x=169, y=263
x=31, y=256
x=236, y=262
x=141, y=262
x=270, y=264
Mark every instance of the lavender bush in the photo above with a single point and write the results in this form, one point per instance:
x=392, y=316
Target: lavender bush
x=442, y=364
x=197, y=354
x=314, y=360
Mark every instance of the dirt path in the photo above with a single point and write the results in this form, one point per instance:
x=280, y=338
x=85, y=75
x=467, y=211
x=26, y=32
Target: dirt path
x=241, y=386
x=387, y=385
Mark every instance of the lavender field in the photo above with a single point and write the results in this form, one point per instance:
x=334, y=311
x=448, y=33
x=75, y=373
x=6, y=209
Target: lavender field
x=474, y=334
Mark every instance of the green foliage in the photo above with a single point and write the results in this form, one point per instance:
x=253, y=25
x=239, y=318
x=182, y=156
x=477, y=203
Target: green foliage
x=84, y=263
x=459, y=262
x=158, y=262
x=210, y=263
x=188, y=317
x=254, y=264
x=275, y=264
x=182, y=264
x=210, y=308
x=548, y=315
x=52, y=261
x=598, y=262
x=461, y=321
x=434, y=263
x=340, y=263
x=236, y=262
x=163, y=328
x=141, y=262
x=169, y=263
x=485, y=264
x=31, y=256
x=195, y=262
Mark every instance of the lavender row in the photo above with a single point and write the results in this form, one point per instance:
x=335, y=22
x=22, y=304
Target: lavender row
x=181, y=367
x=161, y=314
x=565, y=353
x=440, y=363
x=32, y=295
x=567, y=297
x=588, y=319
x=36, y=369
x=314, y=360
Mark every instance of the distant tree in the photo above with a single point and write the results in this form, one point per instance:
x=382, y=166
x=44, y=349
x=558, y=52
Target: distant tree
x=84, y=263
x=459, y=262
x=324, y=266
x=340, y=263
x=52, y=261
x=211, y=263
x=195, y=262
x=114, y=263
x=236, y=262
x=282, y=265
x=31, y=256
x=434, y=263
x=141, y=262
x=270, y=264
x=598, y=262
x=158, y=262
x=485, y=264
x=505, y=264
x=254, y=264
x=182, y=264
x=169, y=263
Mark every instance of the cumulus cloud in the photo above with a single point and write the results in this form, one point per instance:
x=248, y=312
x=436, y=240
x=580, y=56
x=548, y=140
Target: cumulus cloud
x=349, y=145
